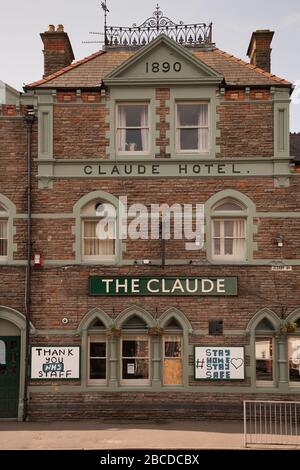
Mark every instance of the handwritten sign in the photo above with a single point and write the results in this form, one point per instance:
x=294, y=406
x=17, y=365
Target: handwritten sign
x=219, y=363
x=55, y=362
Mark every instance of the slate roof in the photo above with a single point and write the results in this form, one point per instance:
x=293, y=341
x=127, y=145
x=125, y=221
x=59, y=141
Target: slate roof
x=89, y=72
x=295, y=147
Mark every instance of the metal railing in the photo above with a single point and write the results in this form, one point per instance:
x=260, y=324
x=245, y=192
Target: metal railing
x=271, y=423
x=184, y=34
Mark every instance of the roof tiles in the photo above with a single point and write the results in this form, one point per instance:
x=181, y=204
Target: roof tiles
x=90, y=71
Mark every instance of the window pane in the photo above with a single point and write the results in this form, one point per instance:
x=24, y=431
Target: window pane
x=3, y=238
x=194, y=114
x=133, y=115
x=135, y=348
x=135, y=369
x=228, y=228
x=228, y=246
x=172, y=349
x=228, y=206
x=97, y=349
x=189, y=139
x=264, y=358
x=136, y=140
x=93, y=246
x=188, y=114
x=98, y=369
x=217, y=232
x=3, y=247
x=217, y=246
x=294, y=359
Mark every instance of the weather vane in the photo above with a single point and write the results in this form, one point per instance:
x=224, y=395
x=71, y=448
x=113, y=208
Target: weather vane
x=106, y=10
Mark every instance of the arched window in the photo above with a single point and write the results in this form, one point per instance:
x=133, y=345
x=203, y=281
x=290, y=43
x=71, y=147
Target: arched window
x=97, y=353
x=173, y=353
x=98, y=231
x=3, y=232
x=264, y=353
x=135, y=352
x=229, y=240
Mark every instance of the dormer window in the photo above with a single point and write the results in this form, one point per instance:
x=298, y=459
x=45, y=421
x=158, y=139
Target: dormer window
x=192, y=127
x=133, y=128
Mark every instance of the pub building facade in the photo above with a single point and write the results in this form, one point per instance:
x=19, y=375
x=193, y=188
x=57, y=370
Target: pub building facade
x=146, y=328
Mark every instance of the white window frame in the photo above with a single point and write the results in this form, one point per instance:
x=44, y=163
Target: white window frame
x=168, y=338
x=265, y=383
x=96, y=339
x=291, y=383
x=178, y=127
x=222, y=256
x=133, y=382
x=133, y=152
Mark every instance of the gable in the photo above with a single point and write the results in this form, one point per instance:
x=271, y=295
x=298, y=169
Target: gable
x=163, y=61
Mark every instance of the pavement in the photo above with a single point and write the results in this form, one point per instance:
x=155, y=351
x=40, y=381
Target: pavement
x=87, y=435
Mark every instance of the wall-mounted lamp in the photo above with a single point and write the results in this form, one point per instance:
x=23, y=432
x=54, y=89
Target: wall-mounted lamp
x=279, y=241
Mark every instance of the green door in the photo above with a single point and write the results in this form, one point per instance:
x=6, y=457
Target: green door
x=9, y=376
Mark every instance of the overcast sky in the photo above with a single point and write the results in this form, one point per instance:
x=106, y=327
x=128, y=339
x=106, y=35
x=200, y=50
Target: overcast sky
x=21, y=56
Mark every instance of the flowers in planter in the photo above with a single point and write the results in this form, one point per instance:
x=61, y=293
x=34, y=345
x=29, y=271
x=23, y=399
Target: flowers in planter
x=113, y=330
x=286, y=327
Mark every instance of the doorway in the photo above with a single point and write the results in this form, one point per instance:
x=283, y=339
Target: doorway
x=9, y=376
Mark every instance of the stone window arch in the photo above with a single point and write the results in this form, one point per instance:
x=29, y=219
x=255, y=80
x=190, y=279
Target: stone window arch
x=176, y=328
x=136, y=351
x=95, y=347
x=263, y=328
x=229, y=227
x=97, y=215
x=7, y=231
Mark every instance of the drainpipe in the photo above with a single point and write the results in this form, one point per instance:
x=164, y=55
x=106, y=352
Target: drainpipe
x=29, y=120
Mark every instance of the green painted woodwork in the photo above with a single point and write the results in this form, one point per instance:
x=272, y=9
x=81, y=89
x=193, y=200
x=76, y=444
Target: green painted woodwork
x=9, y=376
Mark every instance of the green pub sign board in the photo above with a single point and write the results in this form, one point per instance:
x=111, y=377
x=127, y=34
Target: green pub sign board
x=158, y=285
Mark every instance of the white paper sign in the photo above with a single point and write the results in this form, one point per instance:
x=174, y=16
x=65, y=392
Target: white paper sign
x=55, y=362
x=130, y=369
x=219, y=363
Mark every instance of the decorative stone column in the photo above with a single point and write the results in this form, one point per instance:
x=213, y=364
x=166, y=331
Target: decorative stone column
x=282, y=361
x=113, y=362
x=156, y=361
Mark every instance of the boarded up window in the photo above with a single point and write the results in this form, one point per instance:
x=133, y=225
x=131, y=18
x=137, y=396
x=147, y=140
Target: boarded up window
x=173, y=368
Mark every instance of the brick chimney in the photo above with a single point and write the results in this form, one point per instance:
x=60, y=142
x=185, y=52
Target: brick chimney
x=259, y=50
x=57, y=51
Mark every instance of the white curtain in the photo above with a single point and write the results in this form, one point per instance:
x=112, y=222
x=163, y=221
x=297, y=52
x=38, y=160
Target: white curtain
x=145, y=128
x=203, y=128
x=93, y=246
x=122, y=128
x=239, y=238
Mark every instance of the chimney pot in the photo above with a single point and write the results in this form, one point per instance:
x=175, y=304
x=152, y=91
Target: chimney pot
x=259, y=50
x=58, y=52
